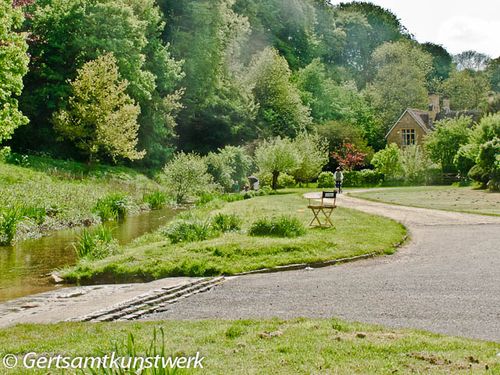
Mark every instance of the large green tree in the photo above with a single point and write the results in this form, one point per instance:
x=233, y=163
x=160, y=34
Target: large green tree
x=101, y=118
x=400, y=81
x=13, y=66
x=467, y=89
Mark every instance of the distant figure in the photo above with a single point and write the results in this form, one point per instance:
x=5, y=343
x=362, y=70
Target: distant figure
x=339, y=177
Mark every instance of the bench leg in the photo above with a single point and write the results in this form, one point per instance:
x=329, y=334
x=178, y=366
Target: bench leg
x=315, y=218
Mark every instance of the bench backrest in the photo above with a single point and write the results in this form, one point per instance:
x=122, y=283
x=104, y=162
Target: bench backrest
x=329, y=195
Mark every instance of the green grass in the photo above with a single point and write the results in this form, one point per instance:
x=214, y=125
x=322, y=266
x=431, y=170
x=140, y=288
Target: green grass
x=355, y=233
x=67, y=192
x=299, y=346
x=448, y=198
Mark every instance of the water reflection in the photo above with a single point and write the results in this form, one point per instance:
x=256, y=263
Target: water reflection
x=24, y=267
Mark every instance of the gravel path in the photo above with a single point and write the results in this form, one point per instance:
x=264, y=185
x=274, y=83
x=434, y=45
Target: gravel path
x=446, y=279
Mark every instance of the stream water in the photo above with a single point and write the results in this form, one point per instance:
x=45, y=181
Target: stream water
x=24, y=267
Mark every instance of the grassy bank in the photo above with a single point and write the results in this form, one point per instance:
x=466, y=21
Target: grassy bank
x=355, y=233
x=54, y=194
x=448, y=198
x=299, y=346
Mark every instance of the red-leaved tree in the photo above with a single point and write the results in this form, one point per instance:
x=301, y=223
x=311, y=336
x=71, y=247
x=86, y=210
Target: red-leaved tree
x=349, y=157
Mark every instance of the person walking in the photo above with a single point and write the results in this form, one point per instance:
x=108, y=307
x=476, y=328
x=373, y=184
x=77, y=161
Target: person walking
x=339, y=178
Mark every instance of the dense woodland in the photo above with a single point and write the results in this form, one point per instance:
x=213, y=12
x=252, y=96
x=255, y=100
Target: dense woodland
x=134, y=81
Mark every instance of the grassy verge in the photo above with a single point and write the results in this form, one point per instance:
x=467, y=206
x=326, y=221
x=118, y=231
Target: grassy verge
x=447, y=198
x=299, y=346
x=64, y=194
x=355, y=233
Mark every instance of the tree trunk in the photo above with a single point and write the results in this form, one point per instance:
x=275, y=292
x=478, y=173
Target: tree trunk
x=275, y=180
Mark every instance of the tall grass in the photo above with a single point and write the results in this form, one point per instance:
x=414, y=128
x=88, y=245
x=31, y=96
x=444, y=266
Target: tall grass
x=9, y=218
x=189, y=231
x=156, y=200
x=282, y=226
x=226, y=222
x=96, y=243
x=112, y=207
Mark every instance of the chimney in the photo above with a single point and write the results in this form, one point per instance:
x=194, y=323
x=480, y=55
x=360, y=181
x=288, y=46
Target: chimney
x=446, y=105
x=434, y=107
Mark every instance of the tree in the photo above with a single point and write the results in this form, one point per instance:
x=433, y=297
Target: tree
x=388, y=162
x=467, y=90
x=400, y=81
x=13, y=66
x=445, y=141
x=275, y=156
x=101, y=118
x=471, y=60
x=415, y=164
x=281, y=111
x=349, y=157
x=313, y=151
x=363, y=37
x=186, y=175
x=493, y=71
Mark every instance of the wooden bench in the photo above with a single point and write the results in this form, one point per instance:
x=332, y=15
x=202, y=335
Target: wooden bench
x=325, y=206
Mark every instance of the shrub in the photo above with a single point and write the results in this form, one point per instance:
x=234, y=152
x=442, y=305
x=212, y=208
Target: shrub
x=285, y=181
x=226, y=223
x=155, y=200
x=9, y=218
x=282, y=226
x=478, y=174
x=415, y=164
x=96, y=244
x=111, y=207
x=326, y=180
x=188, y=231
x=388, y=162
x=186, y=175
x=313, y=151
x=365, y=177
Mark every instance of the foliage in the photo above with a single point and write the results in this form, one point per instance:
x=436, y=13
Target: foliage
x=226, y=222
x=400, y=81
x=467, y=90
x=471, y=60
x=285, y=181
x=489, y=161
x=9, y=218
x=111, y=207
x=275, y=156
x=282, y=226
x=445, y=141
x=13, y=66
x=326, y=180
x=229, y=167
x=155, y=200
x=313, y=151
x=364, y=177
x=188, y=231
x=186, y=175
x=388, y=162
x=493, y=72
x=101, y=118
x=441, y=61
x=415, y=164
x=466, y=158
x=281, y=111
x=349, y=157
x=97, y=243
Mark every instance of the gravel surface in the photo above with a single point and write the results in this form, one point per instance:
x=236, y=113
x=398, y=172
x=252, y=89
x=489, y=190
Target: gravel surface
x=446, y=280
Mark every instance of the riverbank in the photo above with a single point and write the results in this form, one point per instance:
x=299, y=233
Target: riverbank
x=155, y=256
x=44, y=195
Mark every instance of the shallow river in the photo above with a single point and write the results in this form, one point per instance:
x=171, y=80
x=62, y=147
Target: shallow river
x=24, y=266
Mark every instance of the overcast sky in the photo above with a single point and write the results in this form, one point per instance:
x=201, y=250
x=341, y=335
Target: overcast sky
x=458, y=25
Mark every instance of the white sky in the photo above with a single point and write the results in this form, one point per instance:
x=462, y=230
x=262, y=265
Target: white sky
x=458, y=25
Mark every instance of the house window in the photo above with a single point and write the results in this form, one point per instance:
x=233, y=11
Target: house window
x=408, y=137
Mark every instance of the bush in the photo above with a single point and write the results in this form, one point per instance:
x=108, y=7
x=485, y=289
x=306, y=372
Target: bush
x=186, y=175
x=188, y=231
x=326, y=180
x=285, y=181
x=9, y=218
x=478, y=174
x=388, y=162
x=156, y=200
x=365, y=177
x=282, y=226
x=96, y=244
x=111, y=207
x=226, y=223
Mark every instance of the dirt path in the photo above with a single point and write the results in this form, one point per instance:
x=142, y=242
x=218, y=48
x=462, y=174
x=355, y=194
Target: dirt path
x=446, y=279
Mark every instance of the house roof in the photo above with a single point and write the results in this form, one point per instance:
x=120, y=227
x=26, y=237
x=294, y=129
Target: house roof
x=474, y=114
x=422, y=118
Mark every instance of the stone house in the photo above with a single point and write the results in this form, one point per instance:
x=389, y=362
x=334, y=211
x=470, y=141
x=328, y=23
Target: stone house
x=414, y=124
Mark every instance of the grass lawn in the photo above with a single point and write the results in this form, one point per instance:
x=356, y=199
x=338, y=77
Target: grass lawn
x=448, y=198
x=355, y=233
x=299, y=346
x=67, y=190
